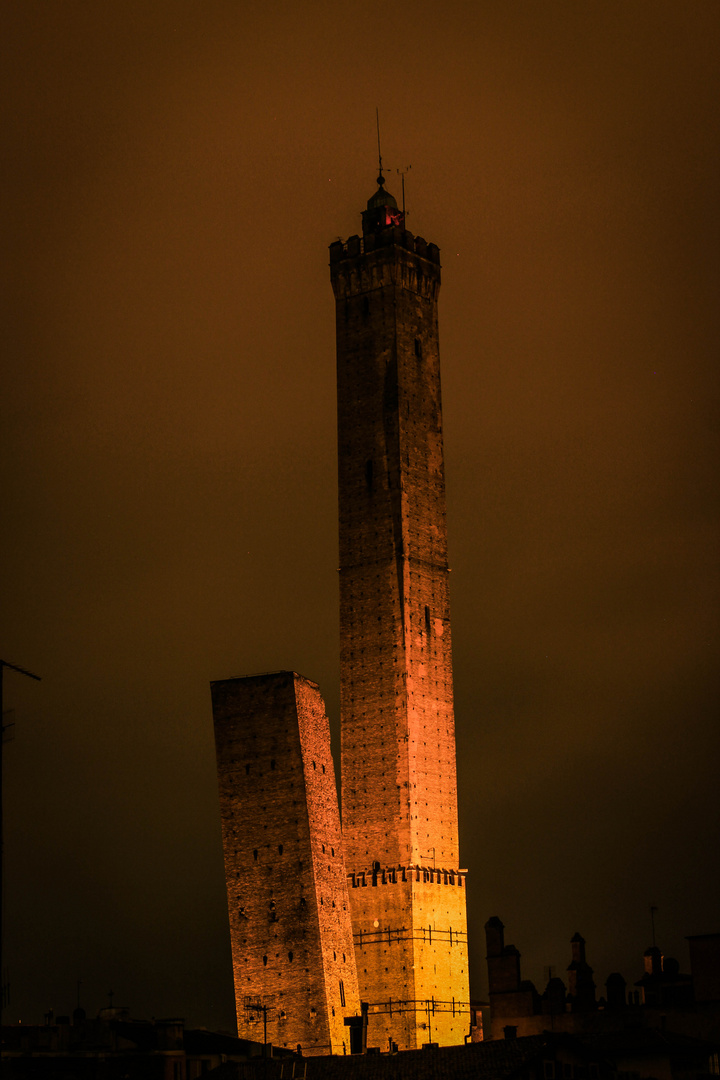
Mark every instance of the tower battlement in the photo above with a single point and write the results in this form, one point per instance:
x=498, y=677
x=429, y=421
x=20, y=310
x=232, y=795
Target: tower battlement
x=391, y=234
x=392, y=257
x=391, y=875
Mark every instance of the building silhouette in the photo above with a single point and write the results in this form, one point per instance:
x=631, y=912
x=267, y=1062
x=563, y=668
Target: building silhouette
x=115, y=1046
x=663, y=999
x=400, y=883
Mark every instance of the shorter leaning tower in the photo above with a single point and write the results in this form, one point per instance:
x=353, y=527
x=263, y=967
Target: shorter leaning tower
x=290, y=932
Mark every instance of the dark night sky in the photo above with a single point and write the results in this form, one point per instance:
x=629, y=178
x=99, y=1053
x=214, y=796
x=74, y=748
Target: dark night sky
x=174, y=174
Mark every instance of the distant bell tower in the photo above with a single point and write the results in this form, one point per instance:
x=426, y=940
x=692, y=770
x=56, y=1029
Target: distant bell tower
x=399, y=791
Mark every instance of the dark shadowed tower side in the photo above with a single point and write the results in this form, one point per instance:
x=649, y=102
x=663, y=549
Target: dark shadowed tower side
x=399, y=793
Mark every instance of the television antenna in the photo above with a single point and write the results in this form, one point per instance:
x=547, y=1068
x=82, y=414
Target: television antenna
x=256, y=1005
x=401, y=173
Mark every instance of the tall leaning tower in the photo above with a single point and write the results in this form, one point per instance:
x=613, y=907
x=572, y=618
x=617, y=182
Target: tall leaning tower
x=399, y=792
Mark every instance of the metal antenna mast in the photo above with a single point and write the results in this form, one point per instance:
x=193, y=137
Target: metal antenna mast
x=13, y=667
x=401, y=174
x=381, y=178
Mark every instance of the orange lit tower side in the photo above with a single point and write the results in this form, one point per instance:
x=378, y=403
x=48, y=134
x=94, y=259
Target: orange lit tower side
x=290, y=930
x=399, y=792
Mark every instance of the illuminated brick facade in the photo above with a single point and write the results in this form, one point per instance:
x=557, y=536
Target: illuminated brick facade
x=290, y=931
x=399, y=790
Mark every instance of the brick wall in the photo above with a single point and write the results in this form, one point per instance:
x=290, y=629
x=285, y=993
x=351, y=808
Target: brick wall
x=288, y=906
x=411, y=954
x=398, y=741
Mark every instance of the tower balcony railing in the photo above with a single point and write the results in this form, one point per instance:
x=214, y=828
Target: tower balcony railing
x=425, y=934
x=425, y=1005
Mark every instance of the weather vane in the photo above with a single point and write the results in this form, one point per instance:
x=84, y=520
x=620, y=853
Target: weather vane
x=401, y=172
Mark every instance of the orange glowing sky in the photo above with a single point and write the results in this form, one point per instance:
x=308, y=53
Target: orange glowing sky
x=174, y=175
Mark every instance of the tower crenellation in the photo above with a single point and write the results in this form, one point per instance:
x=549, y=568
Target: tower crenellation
x=401, y=259
x=391, y=234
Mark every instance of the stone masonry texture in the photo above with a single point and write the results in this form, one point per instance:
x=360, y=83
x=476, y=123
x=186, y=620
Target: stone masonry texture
x=290, y=929
x=399, y=792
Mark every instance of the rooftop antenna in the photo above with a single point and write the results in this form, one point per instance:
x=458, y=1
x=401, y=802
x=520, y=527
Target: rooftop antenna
x=653, y=909
x=401, y=174
x=381, y=178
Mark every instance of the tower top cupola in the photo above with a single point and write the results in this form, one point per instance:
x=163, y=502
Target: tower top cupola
x=382, y=209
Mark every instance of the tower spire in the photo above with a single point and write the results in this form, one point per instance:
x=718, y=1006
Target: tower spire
x=382, y=208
